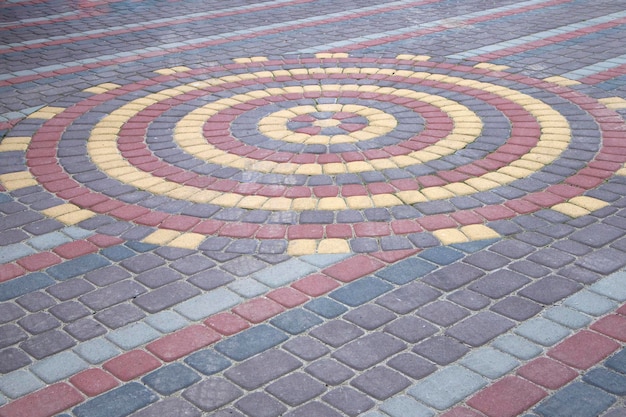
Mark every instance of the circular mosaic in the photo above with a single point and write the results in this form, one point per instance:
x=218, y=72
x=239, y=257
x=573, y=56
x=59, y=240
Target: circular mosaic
x=368, y=147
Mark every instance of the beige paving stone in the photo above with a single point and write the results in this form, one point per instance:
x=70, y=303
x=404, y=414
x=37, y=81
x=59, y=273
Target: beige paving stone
x=75, y=217
x=479, y=232
x=301, y=247
x=450, y=236
x=188, y=241
x=570, y=209
x=161, y=237
x=331, y=203
x=330, y=246
x=589, y=203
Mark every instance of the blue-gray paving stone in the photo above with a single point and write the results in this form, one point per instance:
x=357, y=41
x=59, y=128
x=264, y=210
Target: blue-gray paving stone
x=243, y=266
x=604, y=261
x=170, y=378
x=119, y=402
x=514, y=249
x=117, y=253
x=349, y=216
x=112, y=294
x=133, y=335
x=551, y=258
x=143, y=262
x=441, y=255
x=273, y=246
x=348, y=400
x=12, y=252
x=613, y=286
x=406, y=270
x=443, y=313
x=489, y=362
x=364, y=245
x=158, y=277
x=567, y=317
x=412, y=365
x=607, y=380
x=336, y=332
x=572, y=247
x=475, y=246
x=499, y=283
x=361, y=291
x=404, y=406
x=78, y=266
x=259, y=404
x=295, y=389
x=166, y=321
x=23, y=285
x=542, y=331
x=12, y=359
x=11, y=334
x=166, y=296
x=250, y=342
x=284, y=273
x=313, y=408
x=248, y=287
x=48, y=343
x=369, y=316
x=590, y=303
x=172, y=406
x=617, y=362
x=49, y=240
x=446, y=387
x=208, y=362
x=516, y=308
x=324, y=260
x=423, y=240
x=478, y=329
x=106, y=276
x=550, y=289
x=576, y=400
x=410, y=329
x=140, y=246
x=329, y=371
x=210, y=279
x=97, y=350
x=38, y=322
x=381, y=382
x=326, y=307
x=368, y=350
x=192, y=264
x=388, y=243
x=296, y=321
x=19, y=383
x=267, y=366
x=58, y=367
x=119, y=315
x=202, y=306
x=306, y=348
x=408, y=297
x=36, y=301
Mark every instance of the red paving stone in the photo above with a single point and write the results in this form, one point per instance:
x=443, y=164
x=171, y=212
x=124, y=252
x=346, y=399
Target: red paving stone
x=548, y=373
x=44, y=403
x=287, y=297
x=353, y=268
x=131, y=364
x=258, y=310
x=584, y=349
x=315, y=285
x=613, y=326
x=508, y=397
x=39, y=261
x=183, y=342
x=94, y=382
x=227, y=323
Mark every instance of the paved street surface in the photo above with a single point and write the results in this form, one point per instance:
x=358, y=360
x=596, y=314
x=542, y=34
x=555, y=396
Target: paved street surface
x=312, y=208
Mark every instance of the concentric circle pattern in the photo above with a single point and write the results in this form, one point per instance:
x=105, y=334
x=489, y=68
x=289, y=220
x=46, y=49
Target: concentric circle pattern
x=382, y=147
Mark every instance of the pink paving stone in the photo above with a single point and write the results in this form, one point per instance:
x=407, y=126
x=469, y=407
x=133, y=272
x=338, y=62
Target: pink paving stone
x=584, y=349
x=522, y=206
x=43, y=403
x=436, y=222
x=183, y=342
x=258, y=310
x=75, y=249
x=392, y=256
x=305, y=231
x=223, y=185
x=508, y=397
x=613, y=326
x=107, y=206
x=353, y=268
x=72, y=192
x=271, y=231
x=467, y=217
x=60, y=185
x=351, y=190
x=227, y=323
x=565, y=190
x=431, y=181
x=596, y=172
x=104, y=241
x=152, y=218
x=584, y=181
x=496, y=212
x=338, y=231
x=622, y=310
x=10, y=271
x=129, y=212
x=405, y=226
x=405, y=184
x=304, y=159
x=298, y=192
x=288, y=297
x=548, y=373
x=544, y=199
x=39, y=261
x=208, y=227
x=371, y=229
x=453, y=176
x=315, y=285
x=462, y=412
x=381, y=188
x=89, y=200
x=326, y=191
x=94, y=381
x=239, y=230
x=328, y=158
x=180, y=222
x=272, y=191
x=353, y=156
x=132, y=364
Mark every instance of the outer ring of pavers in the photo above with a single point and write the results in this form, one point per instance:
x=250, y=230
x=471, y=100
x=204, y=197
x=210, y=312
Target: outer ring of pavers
x=52, y=130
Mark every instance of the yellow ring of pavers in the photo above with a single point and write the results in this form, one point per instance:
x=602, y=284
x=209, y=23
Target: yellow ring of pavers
x=274, y=125
x=102, y=144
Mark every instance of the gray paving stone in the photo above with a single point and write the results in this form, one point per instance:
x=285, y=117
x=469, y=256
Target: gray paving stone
x=248, y=287
x=38, y=322
x=166, y=321
x=567, y=317
x=486, y=260
x=441, y=349
x=306, y=348
x=133, y=335
x=19, y=383
x=119, y=402
x=368, y=350
x=380, y=382
x=313, y=409
x=202, y=306
x=78, y=266
x=597, y=235
x=405, y=406
x=296, y=321
x=259, y=404
x=408, y=297
x=361, y=291
x=604, y=261
x=284, y=273
x=411, y=329
x=112, y=294
x=542, y=331
x=36, y=301
x=170, y=378
x=453, y=276
x=447, y=387
x=443, y=313
x=617, y=362
x=406, y=270
x=213, y=278
x=158, y=277
x=70, y=289
x=590, y=303
x=489, y=362
x=516, y=308
x=613, y=286
x=469, y=299
x=212, y=393
x=193, y=264
x=606, y=380
x=119, y=315
x=12, y=359
x=412, y=365
x=11, y=334
x=59, y=366
x=336, y=333
x=108, y=275
x=480, y=328
x=369, y=316
x=20, y=286
x=517, y=346
x=166, y=296
x=295, y=389
x=262, y=368
x=551, y=258
x=69, y=311
x=85, y=329
x=46, y=344
x=142, y=263
x=326, y=307
x=529, y=268
x=172, y=406
x=550, y=289
x=348, y=400
x=243, y=266
x=97, y=350
x=499, y=283
x=10, y=312
x=577, y=399
x=250, y=342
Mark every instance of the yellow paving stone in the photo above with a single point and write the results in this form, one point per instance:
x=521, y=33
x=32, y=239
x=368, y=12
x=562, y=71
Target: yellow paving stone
x=334, y=168
x=278, y=204
x=329, y=246
x=411, y=196
x=382, y=163
x=386, y=200
x=414, y=57
x=322, y=55
x=342, y=139
x=102, y=88
x=203, y=196
x=227, y=200
x=163, y=188
x=459, y=188
x=493, y=67
x=421, y=156
x=309, y=169
x=525, y=164
x=331, y=203
x=188, y=241
x=225, y=159
x=538, y=157
x=181, y=193
x=450, y=236
x=161, y=237
x=499, y=177
x=133, y=176
x=561, y=80
x=286, y=168
x=304, y=203
x=252, y=202
x=146, y=183
x=570, y=209
x=479, y=232
x=615, y=103
x=437, y=193
x=17, y=184
x=17, y=143
x=362, y=135
x=75, y=217
x=359, y=202
x=515, y=172
x=60, y=210
x=481, y=184
x=621, y=171
x=589, y=203
x=359, y=166
x=47, y=112
x=301, y=247
x=316, y=140
x=452, y=144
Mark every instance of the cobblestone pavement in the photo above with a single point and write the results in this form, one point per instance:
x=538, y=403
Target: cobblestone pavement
x=312, y=208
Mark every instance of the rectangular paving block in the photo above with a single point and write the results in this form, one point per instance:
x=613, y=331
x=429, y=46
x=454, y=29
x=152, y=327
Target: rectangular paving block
x=44, y=403
x=577, y=399
x=166, y=296
x=361, y=291
x=284, y=273
x=480, y=328
x=119, y=402
x=112, y=294
x=250, y=342
x=509, y=396
x=78, y=266
x=447, y=387
x=24, y=285
x=263, y=368
x=202, y=306
x=369, y=350
x=58, y=367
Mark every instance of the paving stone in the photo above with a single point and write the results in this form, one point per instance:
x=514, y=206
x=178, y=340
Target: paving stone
x=447, y=387
x=284, y=273
x=119, y=315
x=552, y=258
x=85, y=329
x=329, y=371
x=361, y=291
x=405, y=406
x=542, y=331
x=412, y=365
x=469, y=299
x=166, y=296
x=380, y=382
x=12, y=359
x=38, y=322
x=133, y=335
x=326, y=307
x=348, y=400
x=11, y=334
x=411, y=329
x=499, y=283
x=529, y=268
x=295, y=389
x=478, y=329
x=213, y=278
x=243, y=266
x=168, y=407
x=107, y=275
x=577, y=399
x=306, y=348
x=112, y=294
x=97, y=350
x=408, y=297
x=207, y=361
x=567, y=317
x=296, y=321
x=59, y=366
x=248, y=287
x=442, y=313
x=441, y=255
x=204, y=305
x=170, y=378
x=166, y=321
x=550, y=289
x=368, y=350
x=262, y=368
x=516, y=308
x=119, y=402
x=489, y=362
x=10, y=312
x=77, y=266
x=612, y=286
x=19, y=383
x=607, y=380
x=604, y=261
x=23, y=286
x=142, y=263
x=192, y=264
x=597, y=235
x=46, y=344
x=259, y=404
x=313, y=409
x=70, y=289
x=369, y=316
x=158, y=277
x=69, y=311
x=441, y=349
x=453, y=276
x=590, y=303
x=250, y=342
x=486, y=260
x=406, y=270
